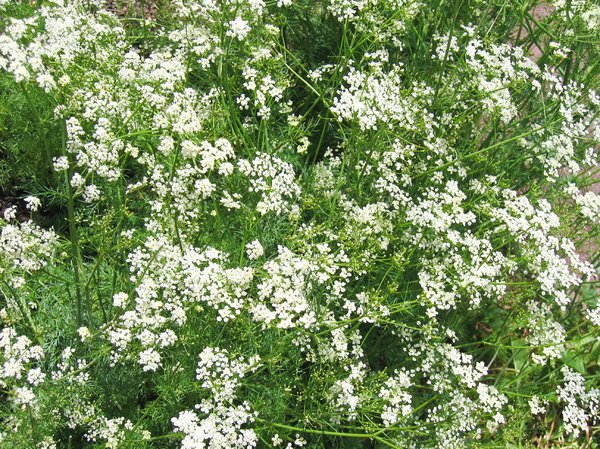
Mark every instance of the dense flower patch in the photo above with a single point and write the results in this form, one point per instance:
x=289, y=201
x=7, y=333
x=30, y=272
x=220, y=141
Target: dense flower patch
x=299, y=223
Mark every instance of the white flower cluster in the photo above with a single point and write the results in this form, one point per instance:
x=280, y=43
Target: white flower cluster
x=393, y=168
x=462, y=412
x=238, y=29
x=594, y=316
x=371, y=221
x=208, y=281
x=397, y=398
x=68, y=31
x=458, y=363
x=559, y=151
x=195, y=40
x=32, y=203
x=383, y=20
x=469, y=272
x=378, y=98
x=347, y=9
x=99, y=154
x=589, y=204
x=82, y=413
x=179, y=193
x=545, y=253
x=111, y=431
x=274, y=179
x=467, y=405
x=538, y=406
x=159, y=72
x=441, y=209
x=222, y=427
x=345, y=393
x=170, y=283
x=496, y=68
x=586, y=10
x=581, y=407
x=60, y=163
x=209, y=156
x=24, y=248
x=265, y=90
x=18, y=370
x=105, y=110
x=73, y=371
x=254, y=250
x=220, y=374
x=545, y=333
x=284, y=293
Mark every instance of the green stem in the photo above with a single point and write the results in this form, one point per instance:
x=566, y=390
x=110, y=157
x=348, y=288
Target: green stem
x=166, y=436
x=369, y=436
x=24, y=309
x=73, y=233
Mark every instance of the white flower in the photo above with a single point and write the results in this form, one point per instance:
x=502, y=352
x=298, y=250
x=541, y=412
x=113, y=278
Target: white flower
x=35, y=376
x=274, y=179
x=84, y=333
x=47, y=443
x=276, y=440
x=120, y=299
x=91, y=193
x=150, y=360
x=537, y=405
x=254, y=250
x=166, y=145
x=10, y=213
x=221, y=374
x=594, y=316
x=24, y=397
x=33, y=203
x=60, y=163
x=581, y=406
x=223, y=428
x=544, y=332
x=590, y=205
x=397, y=398
x=299, y=441
x=238, y=28
x=231, y=201
x=243, y=101
x=302, y=147
x=25, y=246
x=77, y=180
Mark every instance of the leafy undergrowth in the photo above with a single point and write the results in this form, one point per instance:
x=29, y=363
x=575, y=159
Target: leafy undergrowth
x=299, y=223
